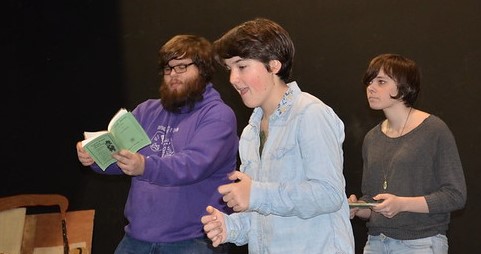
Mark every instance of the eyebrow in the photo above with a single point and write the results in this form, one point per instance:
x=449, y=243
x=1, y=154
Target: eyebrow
x=382, y=77
x=240, y=60
x=235, y=62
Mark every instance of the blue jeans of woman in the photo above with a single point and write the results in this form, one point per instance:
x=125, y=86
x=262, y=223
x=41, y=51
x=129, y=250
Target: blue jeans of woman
x=381, y=244
x=129, y=245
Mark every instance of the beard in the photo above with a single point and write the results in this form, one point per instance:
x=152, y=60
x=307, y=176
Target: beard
x=187, y=95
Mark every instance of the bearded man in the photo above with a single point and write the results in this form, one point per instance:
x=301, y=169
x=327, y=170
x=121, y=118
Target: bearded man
x=193, y=150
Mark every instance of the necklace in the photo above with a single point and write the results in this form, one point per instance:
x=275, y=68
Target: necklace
x=404, y=125
x=384, y=184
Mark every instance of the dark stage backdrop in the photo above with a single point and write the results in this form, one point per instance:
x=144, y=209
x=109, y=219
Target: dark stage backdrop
x=70, y=65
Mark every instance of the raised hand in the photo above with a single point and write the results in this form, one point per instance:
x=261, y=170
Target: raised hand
x=214, y=226
x=132, y=164
x=237, y=194
x=83, y=156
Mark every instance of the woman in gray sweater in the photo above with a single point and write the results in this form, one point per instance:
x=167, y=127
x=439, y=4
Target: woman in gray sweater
x=412, y=168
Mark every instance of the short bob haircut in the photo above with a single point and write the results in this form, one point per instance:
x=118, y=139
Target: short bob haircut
x=199, y=49
x=402, y=70
x=259, y=39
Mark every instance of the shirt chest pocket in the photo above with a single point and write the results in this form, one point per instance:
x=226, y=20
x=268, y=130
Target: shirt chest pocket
x=284, y=163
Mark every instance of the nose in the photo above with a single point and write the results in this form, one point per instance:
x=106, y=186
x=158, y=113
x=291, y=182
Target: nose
x=233, y=78
x=370, y=88
x=173, y=73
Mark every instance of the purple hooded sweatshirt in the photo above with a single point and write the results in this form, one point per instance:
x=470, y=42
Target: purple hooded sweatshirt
x=191, y=155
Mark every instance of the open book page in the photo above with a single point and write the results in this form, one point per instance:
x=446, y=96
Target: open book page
x=123, y=132
x=117, y=115
x=100, y=145
x=128, y=133
x=89, y=135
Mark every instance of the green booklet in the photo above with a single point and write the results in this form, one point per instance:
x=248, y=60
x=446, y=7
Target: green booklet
x=123, y=132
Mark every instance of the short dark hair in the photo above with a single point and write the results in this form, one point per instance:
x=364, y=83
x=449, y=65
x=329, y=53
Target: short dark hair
x=402, y=70
x=199, y=49
x=260, y=39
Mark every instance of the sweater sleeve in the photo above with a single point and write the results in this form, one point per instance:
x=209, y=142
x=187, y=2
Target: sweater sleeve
x=452, y=194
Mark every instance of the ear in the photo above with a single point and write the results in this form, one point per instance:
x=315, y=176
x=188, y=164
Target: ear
x=275, y=66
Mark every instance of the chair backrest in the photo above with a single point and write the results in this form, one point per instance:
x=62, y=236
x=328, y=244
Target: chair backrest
x=31, y=200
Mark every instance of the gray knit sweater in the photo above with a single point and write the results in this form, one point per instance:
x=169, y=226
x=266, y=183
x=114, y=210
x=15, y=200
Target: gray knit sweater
x=424, y=162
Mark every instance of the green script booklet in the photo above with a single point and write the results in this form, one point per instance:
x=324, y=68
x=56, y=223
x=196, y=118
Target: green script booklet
x=123, y=132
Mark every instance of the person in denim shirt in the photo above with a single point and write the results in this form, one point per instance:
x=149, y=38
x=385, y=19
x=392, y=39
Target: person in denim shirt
x=289, y=193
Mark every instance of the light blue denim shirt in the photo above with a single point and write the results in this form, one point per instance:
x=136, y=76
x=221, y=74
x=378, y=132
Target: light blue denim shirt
x=297, y=202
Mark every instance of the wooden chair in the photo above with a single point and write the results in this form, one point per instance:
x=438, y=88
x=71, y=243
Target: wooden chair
x=42, y=230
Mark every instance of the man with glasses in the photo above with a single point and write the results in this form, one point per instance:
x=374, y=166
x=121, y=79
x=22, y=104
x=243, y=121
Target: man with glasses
x=194, y=148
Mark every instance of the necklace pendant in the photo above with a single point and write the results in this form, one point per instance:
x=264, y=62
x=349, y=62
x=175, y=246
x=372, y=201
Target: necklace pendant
x=384, y=185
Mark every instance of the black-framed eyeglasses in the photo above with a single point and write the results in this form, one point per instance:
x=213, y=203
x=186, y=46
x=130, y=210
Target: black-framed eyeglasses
x=180, y=68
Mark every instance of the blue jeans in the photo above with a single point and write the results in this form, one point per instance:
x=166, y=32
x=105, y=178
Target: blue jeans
x=381, y=244
x=129, y=245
